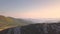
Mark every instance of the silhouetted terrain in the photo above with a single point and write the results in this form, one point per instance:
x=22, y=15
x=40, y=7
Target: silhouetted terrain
x=44, y=28
x=38, y=28
x=9, y=25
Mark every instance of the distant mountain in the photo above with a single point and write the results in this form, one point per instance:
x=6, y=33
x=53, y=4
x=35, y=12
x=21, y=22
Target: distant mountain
x=8, y=22
x=52, y=20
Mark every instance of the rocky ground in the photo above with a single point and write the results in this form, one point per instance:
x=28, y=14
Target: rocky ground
x=40, y=28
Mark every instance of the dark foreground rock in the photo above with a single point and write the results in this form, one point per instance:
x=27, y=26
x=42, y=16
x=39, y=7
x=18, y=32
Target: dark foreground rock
x=15, y=30
x=40, y=28
x=51, y=28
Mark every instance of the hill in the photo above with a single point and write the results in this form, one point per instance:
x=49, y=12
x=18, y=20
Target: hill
x=8, y=22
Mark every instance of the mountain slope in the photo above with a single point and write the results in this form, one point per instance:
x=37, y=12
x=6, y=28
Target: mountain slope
x=8, y=22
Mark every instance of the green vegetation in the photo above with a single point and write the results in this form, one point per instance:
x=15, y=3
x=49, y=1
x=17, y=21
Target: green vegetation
x=8, y=22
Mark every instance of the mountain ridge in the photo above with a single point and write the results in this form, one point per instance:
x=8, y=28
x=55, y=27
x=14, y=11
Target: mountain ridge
x=8, y=22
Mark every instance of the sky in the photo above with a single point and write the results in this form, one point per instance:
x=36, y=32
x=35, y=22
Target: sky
x=30, y=8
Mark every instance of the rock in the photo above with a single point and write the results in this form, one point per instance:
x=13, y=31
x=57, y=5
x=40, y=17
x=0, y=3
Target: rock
x=40, y=28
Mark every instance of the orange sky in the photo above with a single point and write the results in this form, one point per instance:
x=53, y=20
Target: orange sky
x=32, y=9
x=52, y=11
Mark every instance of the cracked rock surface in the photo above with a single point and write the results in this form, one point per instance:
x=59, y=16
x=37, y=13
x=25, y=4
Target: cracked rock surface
x=39, y=28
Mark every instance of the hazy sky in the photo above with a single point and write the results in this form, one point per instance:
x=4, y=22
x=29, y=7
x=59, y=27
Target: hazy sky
x=30, y=8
